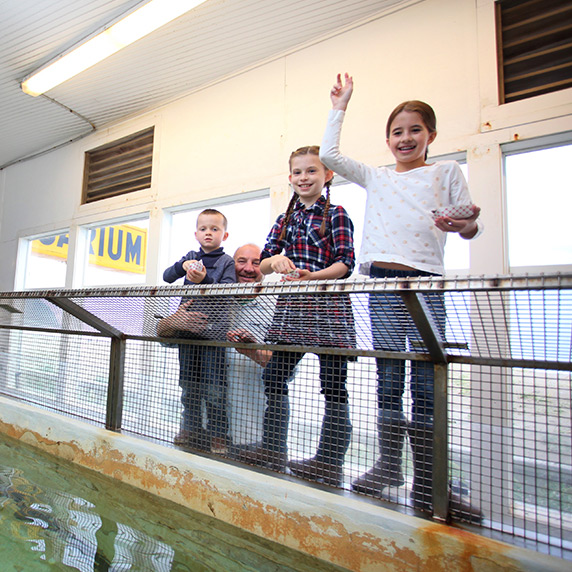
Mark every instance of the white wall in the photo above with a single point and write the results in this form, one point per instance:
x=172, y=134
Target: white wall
x=236, y=136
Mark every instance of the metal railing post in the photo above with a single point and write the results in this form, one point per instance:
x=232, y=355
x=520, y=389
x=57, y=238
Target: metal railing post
x=114, y=410
x=421, y=315
x=440, y=444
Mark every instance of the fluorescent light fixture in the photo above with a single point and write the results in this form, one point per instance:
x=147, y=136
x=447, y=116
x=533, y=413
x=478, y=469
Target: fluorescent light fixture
x=129, y=29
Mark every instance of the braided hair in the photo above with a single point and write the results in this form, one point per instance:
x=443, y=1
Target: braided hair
x=309, y=150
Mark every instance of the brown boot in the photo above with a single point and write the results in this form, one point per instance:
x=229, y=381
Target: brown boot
x=263, y=457
x=191, y=440
x=315, y=470
x=460, y=508
x=387, y=471
x=381, y=475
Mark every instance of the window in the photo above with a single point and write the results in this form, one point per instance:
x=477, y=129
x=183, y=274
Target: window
x=534, y=47
x=46, y=261
x=352, y=197
x=116, y=253
x=118, y=168
x=539, y=202
x=248, y=221
x=457, y=259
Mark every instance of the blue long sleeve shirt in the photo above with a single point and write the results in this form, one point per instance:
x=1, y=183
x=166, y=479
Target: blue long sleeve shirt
x=219, y=266
x=220, y=270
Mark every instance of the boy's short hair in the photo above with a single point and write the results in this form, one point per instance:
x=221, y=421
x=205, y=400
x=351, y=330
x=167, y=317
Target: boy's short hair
x=214, y=212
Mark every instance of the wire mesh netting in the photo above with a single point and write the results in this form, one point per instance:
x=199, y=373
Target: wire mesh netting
x=444, y=396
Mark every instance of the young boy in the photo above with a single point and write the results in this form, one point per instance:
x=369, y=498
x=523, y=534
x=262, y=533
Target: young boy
x=202, y=368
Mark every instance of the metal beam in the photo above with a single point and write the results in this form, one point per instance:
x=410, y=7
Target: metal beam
x=421, y=315
x=114, y=410
x=86, y=317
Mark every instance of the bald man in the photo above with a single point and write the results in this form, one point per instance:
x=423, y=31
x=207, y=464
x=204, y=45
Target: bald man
x=251, y=318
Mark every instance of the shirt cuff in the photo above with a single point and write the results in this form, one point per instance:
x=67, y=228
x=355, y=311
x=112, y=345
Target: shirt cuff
x=336, y=115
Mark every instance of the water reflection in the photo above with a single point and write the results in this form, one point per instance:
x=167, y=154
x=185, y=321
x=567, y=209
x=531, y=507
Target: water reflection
x=66, y=529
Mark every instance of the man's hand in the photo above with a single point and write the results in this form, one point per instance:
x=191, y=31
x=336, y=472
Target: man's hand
x=183, y=320
x=241, y=337
x=261, y=357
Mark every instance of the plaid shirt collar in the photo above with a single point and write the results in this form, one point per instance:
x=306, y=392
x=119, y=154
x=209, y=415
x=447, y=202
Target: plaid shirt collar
x=318, y=207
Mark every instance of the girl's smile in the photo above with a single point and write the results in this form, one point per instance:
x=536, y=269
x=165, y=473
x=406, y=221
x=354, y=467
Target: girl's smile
x=408, y=140
x=308, y=177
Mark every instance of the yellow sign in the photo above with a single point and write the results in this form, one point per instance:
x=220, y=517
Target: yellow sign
x=52, y=246
x=122, y=247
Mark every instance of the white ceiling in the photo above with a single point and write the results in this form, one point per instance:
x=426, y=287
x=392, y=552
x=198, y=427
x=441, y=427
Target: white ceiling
x=216, y=40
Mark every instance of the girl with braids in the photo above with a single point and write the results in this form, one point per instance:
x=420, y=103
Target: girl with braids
x=313, y=240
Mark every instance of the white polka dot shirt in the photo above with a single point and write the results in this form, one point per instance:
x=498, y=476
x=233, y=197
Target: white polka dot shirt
x=398, y=225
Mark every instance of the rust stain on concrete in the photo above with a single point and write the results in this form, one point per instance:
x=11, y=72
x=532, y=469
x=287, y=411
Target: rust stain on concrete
x=425, y=546
x=480, y=152
x=320, y=536
x=467, y=552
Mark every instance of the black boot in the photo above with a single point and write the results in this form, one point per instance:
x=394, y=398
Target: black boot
x=421, y=440
x=326, y=465
x=460, y=506
x=387, y=471
x=272, y=454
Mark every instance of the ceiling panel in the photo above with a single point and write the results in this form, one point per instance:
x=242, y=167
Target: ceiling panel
x=216, y=40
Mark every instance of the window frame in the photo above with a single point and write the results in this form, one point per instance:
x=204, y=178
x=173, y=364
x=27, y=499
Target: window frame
x=458, y=156
x=25, y=254
x=517, y=148
x=167, y=256
x=84, y=241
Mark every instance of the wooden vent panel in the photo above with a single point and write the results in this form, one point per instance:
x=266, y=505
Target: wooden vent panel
x=535, y=47
x=118, y=168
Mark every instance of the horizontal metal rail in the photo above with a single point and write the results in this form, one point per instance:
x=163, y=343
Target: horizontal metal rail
x=352, y=286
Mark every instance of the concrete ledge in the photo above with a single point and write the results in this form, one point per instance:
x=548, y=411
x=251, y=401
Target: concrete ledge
x=345, y=531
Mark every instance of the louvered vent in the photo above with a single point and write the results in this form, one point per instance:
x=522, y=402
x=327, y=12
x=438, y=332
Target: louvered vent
x=118, y=168
x=534, y=46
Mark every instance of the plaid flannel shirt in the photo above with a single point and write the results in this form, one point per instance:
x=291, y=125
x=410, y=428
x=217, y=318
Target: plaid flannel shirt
x=304, y=245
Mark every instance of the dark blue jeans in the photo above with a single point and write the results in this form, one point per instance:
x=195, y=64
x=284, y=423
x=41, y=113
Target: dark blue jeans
x=394, y=330
x=336, y=426
x=203, y=379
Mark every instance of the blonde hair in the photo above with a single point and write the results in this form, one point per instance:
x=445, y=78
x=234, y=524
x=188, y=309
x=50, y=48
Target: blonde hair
x=308, y=150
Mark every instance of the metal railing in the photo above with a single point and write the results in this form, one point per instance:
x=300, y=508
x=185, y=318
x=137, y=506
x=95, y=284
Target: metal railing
x=501, y=356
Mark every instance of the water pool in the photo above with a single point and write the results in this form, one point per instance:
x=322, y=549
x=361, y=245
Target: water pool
x=57, y=516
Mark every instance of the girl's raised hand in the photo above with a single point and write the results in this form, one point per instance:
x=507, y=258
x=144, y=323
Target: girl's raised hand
x=342, y=92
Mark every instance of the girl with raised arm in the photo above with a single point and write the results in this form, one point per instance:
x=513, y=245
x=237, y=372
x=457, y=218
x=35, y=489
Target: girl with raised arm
x=404, y=235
